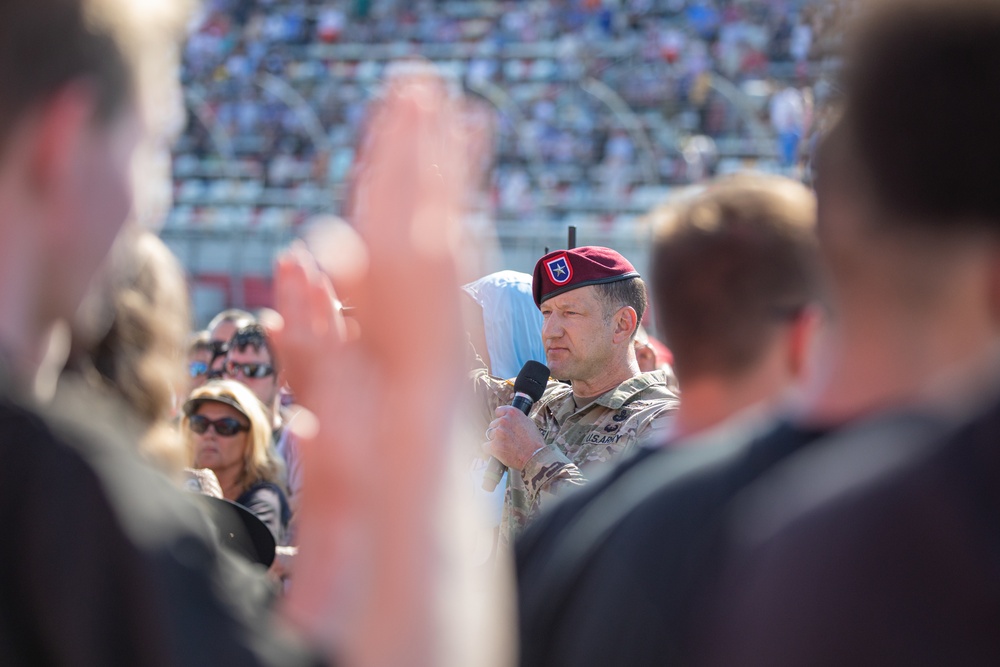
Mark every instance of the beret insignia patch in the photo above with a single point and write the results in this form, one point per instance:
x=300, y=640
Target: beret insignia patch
x=559, y=269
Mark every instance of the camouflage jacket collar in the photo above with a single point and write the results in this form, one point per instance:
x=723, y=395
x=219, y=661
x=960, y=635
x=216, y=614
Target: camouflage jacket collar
x=627, y=391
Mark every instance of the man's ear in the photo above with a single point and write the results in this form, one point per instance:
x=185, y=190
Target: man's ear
x=57, y=139
x=626, y=320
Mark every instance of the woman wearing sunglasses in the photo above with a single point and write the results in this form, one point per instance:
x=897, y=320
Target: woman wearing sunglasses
x=227, y=432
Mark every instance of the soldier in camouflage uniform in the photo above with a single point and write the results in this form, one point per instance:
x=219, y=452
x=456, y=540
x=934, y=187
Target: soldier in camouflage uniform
x=591, y=300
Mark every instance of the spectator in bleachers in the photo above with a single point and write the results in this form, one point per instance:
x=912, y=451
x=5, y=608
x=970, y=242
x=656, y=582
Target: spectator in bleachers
x=673, y=47
x=221, y=330
x=200, y=353
x=788, y=117
x=228, y=433
x=250, y=360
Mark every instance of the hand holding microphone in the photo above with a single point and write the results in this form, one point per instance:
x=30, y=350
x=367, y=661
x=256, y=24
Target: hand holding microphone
x=528, y=388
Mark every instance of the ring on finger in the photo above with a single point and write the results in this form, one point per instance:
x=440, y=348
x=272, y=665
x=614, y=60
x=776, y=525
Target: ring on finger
x=489, y=433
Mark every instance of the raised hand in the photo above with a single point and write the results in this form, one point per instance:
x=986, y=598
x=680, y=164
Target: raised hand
x=381, y=402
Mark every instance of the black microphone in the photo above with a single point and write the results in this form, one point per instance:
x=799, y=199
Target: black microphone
x=528, y=388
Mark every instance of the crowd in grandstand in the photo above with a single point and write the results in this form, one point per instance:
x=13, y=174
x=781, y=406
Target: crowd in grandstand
x=589, y=100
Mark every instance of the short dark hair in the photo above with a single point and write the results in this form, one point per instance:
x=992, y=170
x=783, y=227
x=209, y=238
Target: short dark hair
x=255, y=336
x=628, y=292
x=727, y=266
x=922, y=89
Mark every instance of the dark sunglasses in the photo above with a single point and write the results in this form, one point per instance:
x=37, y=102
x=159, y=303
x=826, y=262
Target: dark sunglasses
x=197, y=368
x=226, y=427
x=255, y=371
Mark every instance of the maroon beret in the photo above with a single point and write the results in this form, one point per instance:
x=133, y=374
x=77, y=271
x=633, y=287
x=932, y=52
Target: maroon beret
x=564, y=270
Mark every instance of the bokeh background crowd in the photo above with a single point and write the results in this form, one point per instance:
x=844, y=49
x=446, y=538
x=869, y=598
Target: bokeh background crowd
x=594, y=112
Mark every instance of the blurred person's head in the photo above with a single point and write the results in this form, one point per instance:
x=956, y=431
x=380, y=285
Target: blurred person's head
x=592, y=300
x=250, y=360
x=220, y=330
x=140, y=357
x=735, y=281
x=932, y=284
x=200, y=353
x=920, y=85
x=908, y=202
x=228, y=432
x=80, y=81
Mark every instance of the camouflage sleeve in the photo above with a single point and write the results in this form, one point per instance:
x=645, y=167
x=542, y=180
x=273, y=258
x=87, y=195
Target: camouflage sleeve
x=654, y=425
x=489, y=393
x=548, y=473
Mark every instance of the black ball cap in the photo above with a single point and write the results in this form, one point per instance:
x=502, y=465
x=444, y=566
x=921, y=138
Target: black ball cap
x=239, y=529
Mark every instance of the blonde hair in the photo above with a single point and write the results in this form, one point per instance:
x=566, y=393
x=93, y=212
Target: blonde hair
x=140, y=358
x=261, y=462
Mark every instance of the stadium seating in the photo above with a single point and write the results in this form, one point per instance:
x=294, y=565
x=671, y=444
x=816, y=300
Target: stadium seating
x=592, y=105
